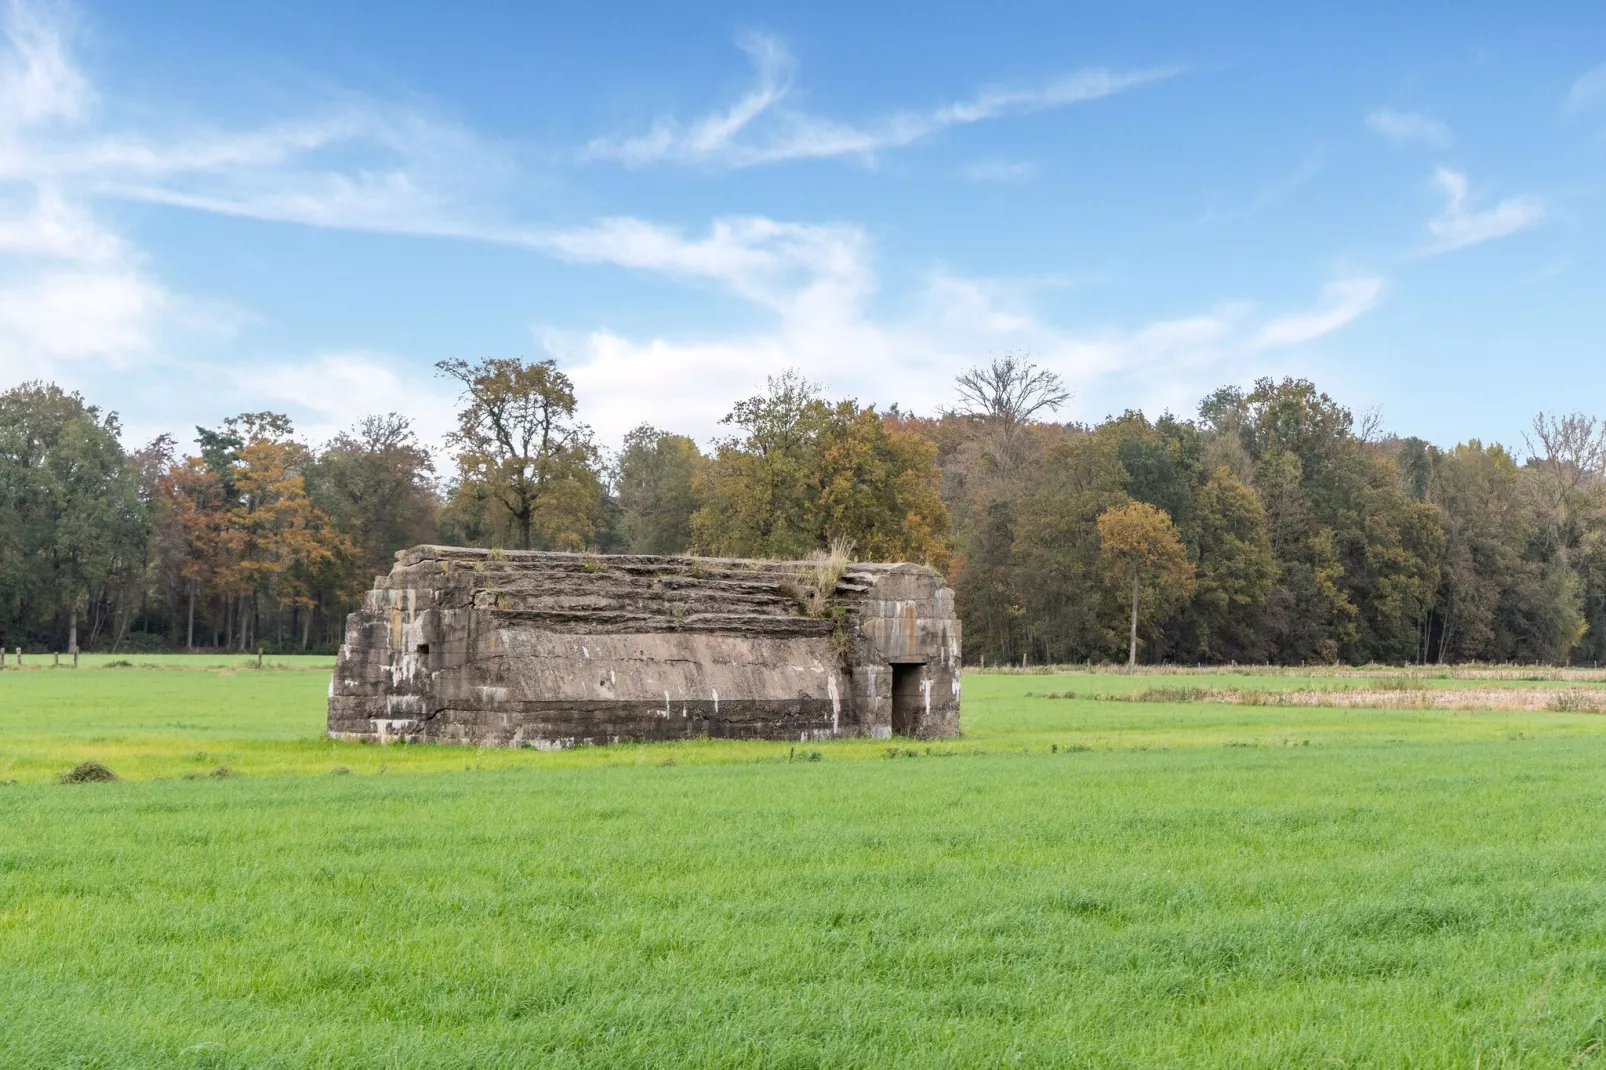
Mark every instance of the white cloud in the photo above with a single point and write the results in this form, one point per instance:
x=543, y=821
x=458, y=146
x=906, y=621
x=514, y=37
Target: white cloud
x=73, y=314
x=329, y=392
x=1408, y=126
x=761, y=129
x=69, y=287
x=37, y=81
x=38, y=221
x=759, y=259
x=72, y=290
x=818, y=283
x=1587, y=92
x=353, y=165
x=1345, y=301
x=1457, y=227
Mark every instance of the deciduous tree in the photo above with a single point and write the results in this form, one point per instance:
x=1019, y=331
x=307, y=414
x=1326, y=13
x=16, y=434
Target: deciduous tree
x=1236, y=570
x=1139, y=545
x=527, y=468
x=660, y=483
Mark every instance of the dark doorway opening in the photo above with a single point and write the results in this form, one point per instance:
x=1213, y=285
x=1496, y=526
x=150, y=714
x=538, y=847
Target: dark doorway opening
x=907, y=701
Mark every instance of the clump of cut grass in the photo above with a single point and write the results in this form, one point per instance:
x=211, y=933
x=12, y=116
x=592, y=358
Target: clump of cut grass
x=340, y=770
x=87, y=773
x=120, y=663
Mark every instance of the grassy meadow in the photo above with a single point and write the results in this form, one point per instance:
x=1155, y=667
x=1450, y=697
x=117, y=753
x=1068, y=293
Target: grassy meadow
x=1111, y=879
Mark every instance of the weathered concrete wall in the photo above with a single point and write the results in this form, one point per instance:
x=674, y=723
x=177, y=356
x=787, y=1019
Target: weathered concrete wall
x=541, y=649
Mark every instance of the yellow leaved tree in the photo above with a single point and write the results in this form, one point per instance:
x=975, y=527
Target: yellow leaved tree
x=1139, y=545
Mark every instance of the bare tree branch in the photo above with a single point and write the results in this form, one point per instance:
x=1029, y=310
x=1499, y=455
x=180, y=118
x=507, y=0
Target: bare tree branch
x=1011, y=389
x=1371, y=426
x=1568, y=453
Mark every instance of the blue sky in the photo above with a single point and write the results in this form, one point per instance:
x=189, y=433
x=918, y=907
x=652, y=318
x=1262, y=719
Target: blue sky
x=206, y=209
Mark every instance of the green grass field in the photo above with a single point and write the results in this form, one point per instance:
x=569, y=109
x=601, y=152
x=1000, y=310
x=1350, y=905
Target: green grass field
x=1074, y=883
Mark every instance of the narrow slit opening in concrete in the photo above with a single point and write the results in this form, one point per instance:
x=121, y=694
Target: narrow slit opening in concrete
x=906, y=700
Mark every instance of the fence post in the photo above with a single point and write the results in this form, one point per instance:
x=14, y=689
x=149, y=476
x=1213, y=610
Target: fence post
x=56, y=664
x=75, y=657
x=259, y=657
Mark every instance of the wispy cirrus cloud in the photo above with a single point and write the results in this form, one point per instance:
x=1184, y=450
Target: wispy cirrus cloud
x=354, y=163
x=77, y=298
x=1268, y=196
x=1343, y=302
x=1405, y=127
x=38, y=81
x=72, y=288
x=69, y=287
x=1459, y=227
x=762, y=128
x=1587, y=92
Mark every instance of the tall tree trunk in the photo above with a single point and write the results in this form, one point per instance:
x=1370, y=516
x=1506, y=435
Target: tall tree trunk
x=1444, y=632
x=72, y=627
x=1132, y=648
x=189, y=638
x=96, y=619
x=306, y=631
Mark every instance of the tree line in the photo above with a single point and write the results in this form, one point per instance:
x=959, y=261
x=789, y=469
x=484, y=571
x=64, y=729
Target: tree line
x=1269, y=526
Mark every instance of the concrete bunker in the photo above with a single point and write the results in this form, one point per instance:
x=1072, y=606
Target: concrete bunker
x=527, y=648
